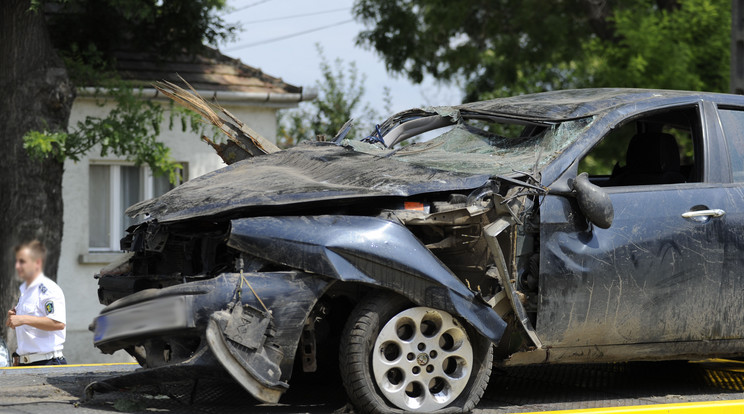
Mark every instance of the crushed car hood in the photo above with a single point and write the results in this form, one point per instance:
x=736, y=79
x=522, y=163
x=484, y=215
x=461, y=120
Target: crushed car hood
x=310, y=172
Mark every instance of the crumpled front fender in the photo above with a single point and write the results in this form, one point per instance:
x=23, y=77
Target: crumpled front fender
x=367, y=250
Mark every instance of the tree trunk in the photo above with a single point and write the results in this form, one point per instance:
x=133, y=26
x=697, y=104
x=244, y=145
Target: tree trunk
x=36, y=95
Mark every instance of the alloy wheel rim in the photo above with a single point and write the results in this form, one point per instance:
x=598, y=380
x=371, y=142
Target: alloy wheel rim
x=422, y=359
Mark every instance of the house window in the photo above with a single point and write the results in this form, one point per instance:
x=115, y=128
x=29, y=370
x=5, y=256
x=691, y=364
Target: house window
x=112, y=189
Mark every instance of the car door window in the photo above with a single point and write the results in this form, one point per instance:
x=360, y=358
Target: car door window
x=732, y=121
x=658, y=148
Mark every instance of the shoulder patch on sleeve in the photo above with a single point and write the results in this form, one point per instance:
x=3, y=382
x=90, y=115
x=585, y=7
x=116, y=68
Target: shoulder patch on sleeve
x=43, y=288
x=49, y=306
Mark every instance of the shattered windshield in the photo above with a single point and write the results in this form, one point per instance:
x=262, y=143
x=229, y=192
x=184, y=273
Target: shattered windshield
x=477, y=147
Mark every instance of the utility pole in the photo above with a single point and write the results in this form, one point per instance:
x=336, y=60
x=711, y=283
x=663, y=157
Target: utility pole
x=737, y=47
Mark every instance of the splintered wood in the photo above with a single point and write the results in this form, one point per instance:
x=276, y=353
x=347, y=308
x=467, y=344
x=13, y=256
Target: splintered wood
x=242, y=141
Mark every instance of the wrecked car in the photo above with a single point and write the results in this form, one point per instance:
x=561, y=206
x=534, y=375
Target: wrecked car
x=575, y=226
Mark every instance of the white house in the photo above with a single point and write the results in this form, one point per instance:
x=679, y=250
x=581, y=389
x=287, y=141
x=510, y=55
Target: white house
x=97, y=190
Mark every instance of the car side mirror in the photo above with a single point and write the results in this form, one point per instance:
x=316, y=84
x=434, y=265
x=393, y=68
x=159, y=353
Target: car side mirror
x=593, y=201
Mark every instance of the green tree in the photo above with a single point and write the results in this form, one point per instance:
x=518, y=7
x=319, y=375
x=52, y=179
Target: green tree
x=47, y=49
x=340, y=98
x=507, y=47
x=687, y=47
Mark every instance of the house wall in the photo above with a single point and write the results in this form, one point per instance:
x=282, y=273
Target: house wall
x=77, y=265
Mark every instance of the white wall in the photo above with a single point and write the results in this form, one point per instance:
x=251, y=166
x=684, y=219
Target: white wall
x=77, y=266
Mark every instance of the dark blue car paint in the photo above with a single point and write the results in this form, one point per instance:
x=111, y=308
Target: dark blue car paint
x=289, y=295
x=368, y=250
x=653, y=276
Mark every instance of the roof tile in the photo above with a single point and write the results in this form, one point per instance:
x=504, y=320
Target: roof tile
x=209, y=70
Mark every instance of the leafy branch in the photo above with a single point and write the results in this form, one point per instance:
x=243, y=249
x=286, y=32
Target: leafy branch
x=340, y=98
x=129, y=130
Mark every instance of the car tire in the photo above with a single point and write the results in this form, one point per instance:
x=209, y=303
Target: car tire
x=385, y=382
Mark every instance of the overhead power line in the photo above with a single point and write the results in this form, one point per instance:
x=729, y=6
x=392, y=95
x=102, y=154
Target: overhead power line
x=248, y=6
x=294, y=16
x=276, y=39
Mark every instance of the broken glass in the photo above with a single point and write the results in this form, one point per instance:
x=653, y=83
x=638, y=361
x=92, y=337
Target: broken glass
x=469, y=149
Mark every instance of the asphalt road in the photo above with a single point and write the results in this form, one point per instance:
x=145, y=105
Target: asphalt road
x=60, y=390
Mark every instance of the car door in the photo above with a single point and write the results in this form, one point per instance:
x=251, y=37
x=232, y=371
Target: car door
x=730, y=129
x=653, y=276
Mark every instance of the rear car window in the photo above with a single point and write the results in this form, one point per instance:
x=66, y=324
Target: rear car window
x=732, y=121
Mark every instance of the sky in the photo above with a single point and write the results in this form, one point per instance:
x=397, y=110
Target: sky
x=295, y=59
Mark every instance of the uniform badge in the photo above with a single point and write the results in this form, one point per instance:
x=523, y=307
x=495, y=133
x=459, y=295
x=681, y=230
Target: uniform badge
x=42, y=288
x=49, y=307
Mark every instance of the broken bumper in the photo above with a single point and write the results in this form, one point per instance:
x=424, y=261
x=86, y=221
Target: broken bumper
x=186, y=328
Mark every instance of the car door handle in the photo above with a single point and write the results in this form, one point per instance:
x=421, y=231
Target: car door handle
x=704, y=213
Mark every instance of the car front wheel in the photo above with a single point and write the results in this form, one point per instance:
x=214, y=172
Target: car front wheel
x=399, y=357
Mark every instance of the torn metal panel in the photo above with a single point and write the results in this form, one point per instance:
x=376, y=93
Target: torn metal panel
x=255, y=369
x=366, y=250
x=257, y=348
x=507, y=279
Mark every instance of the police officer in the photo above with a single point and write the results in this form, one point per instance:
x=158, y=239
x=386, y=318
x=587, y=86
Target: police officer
x=39, y=316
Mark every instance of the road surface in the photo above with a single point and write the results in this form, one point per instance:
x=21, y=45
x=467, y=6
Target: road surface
x=60, y=390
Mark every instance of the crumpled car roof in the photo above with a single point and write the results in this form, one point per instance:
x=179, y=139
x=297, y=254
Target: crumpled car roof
x=568, y=104
x=309, y=172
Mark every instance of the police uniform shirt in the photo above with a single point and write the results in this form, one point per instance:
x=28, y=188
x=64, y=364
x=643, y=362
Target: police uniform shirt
x=41, y=298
